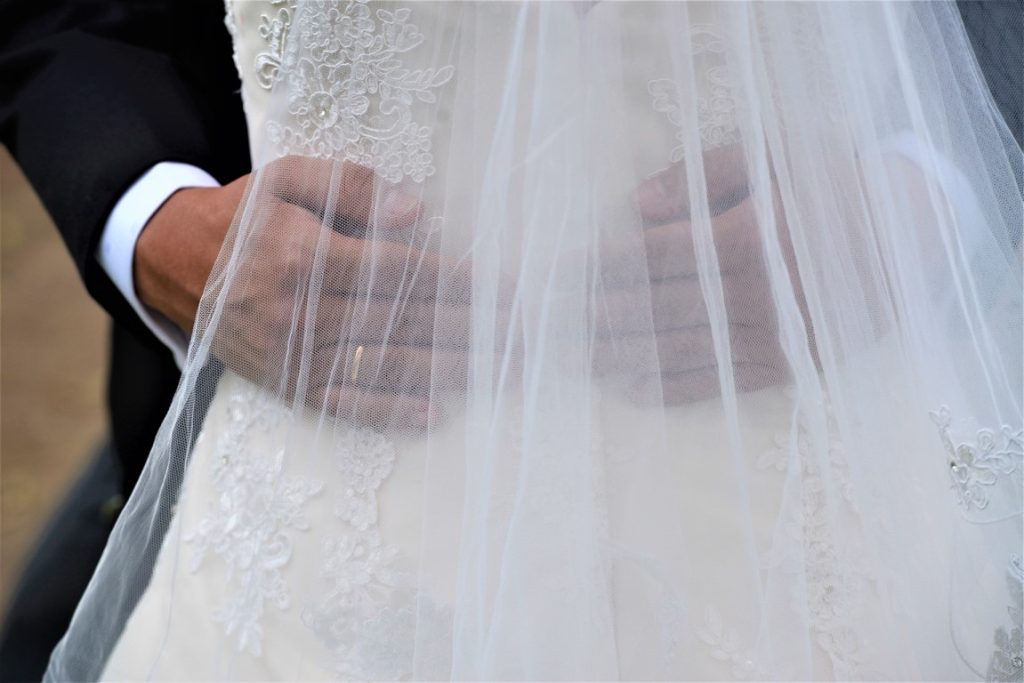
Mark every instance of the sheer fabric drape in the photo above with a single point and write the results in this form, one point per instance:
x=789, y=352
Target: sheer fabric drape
x=593, y=340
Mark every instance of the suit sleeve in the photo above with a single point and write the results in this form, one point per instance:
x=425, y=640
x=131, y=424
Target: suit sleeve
x=96, y=93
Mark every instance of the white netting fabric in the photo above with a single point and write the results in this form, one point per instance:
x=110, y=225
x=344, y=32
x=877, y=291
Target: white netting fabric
x=593, y=340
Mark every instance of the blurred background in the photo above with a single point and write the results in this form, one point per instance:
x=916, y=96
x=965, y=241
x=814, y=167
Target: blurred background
x=53, y=365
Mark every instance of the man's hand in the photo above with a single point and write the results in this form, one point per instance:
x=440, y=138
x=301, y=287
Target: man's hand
x=304, y=299
x=341, y=318
x=677, y=309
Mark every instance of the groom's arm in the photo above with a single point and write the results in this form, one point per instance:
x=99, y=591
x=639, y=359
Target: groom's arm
x=97, y=94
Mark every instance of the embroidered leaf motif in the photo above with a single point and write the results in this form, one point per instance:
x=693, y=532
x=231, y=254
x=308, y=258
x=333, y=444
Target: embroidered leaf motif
x=975, y=467
x=357, y=565
x=826, y=550
x=715, y=105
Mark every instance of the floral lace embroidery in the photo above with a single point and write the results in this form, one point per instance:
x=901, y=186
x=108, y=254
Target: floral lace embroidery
x=1007, y=663
x=273, y=30
x=249, y=518
x=406, y=635
x=716, y=106
x=837, y=575
x=350, y=95
x=357, y=563
x=976, y=466
x=724, y=644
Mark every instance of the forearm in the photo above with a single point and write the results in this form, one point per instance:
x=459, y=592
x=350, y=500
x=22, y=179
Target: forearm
x=176, y=251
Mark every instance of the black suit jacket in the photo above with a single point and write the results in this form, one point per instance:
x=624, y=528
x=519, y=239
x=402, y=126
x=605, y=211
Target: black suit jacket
x=92, y=94
x=95, y=92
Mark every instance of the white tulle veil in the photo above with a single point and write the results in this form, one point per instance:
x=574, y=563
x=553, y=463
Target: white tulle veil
x=612, y=340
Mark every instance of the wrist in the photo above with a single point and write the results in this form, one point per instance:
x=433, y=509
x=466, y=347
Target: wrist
x=176, y=251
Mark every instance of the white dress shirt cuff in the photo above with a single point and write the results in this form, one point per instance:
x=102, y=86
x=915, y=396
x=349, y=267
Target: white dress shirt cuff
x=116, y=251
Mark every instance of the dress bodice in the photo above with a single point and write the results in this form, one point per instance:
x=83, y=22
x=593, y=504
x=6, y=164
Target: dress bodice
x=345, y=102
x=313, y=567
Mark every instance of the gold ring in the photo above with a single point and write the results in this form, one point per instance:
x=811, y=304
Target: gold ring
x=356, y=358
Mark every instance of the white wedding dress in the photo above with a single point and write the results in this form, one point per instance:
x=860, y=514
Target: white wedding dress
x=824, y=525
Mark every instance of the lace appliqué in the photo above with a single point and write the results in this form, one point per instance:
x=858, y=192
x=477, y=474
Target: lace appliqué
x=974, y=467
x=836, y=573
x=249, y=520
x=273, y=29
x=350, y=94
x=407, y=634
x=357, y=563
x=1007, y=663
x=725, y=647
x=716, y=105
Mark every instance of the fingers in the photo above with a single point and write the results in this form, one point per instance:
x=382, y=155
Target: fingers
x=666, y=195
x=392, y=346
x=681, y=388
x=682, y=350
x=669, y=251
x=345, y=195
x=389, y=269
x=364, y=197
x=381, y=387
x=664, y=305
x=667, y=305
x=346, y=264
x=377, y=409
x=343, y=318
x=305, y=378
x=394, y=368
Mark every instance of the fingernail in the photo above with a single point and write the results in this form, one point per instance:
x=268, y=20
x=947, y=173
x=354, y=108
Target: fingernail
x=653, y=195
x=397, y=204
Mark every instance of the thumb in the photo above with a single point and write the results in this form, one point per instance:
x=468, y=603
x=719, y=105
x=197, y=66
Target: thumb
x=373, y=202
x=666, y=195
x=662, y=196
x=393, y=207
x=348, y=196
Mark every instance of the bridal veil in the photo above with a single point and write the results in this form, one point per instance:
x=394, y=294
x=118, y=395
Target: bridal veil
x=594, y=340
